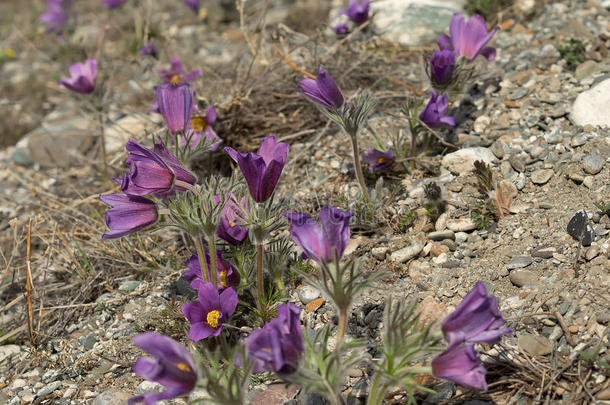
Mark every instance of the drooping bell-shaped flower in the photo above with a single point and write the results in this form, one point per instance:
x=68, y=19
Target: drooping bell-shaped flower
x=278, y=346
x=227, y=276
x=128, y=214
x=82, y=77
x=476, y=319
x=461, y=365
x=209, y=313
x=262, y=170
x=378, y=160
x=358, y=12
x=148, y=49
x=230, y=227
x=341, y=29
x=468, y=39
x=325, y=241
x=175, y=103
x=441, y=66
x=434, y=113
x=323, y=90
x=174, y=73
x=172, y=366
x=56, y=15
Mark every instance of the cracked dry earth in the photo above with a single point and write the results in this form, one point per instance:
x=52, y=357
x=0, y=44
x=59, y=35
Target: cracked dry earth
x=554, y=292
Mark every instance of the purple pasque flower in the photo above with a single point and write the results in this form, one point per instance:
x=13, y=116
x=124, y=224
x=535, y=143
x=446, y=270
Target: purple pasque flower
x=441, y=66
x=434, y=113
x=341, y=29
x=278, y=346
x=128, y=214
x=174, y=73
x=227, y=276
x=322, y=90
x=153, y=171
x=56, y=15
x=192, y=4
x=357, y=12
x=112, y=4
x=476, y=319
x=172, y=366
x=325, y=241
x=468, y=39
x=262, y=170
x=148, y=49
x=175, y=103
x=230, y=227
x=82, y=77
x=208, y=314
x=461, y=365
x=378, y=160
x=202, y=130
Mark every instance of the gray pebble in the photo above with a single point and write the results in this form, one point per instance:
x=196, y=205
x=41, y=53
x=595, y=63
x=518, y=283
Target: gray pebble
x=535, y=345
x=592, y=163
x=307, y=294
x=440, y=235
x=49, y=388
x=521, y=278
x=519, y=262
x=542, y=176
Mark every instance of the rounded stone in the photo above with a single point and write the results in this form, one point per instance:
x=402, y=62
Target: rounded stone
x=592, y=164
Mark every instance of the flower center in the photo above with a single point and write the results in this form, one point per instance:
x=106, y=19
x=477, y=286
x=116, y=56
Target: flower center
x=382, y=159
x=223, y=279
x=212, y=318
x=199, y=124
x=175, y=79
x=183, y=367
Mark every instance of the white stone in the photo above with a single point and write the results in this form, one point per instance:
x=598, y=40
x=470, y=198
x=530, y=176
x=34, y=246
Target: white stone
x=413, y=22
x=118, y=133
x=591, y=107
x=462, y=161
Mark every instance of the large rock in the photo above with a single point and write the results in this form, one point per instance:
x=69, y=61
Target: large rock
x=413, y=22
x=462, y=161
x=118, y=133
x=61, y=142
x=591, y=107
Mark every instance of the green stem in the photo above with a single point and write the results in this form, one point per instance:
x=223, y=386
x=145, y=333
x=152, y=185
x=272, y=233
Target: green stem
x=201, y=254
x=342, y=324
x=413, y=150
x=358, y=168
x=259, y=277
x=377, y=392
x=212, y=245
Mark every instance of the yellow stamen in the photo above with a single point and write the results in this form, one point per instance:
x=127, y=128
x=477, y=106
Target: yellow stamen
x=183, y=367
x=212, y=318
x=382, y=159
x=199, y=124
x=175, y=79
x=223, y=278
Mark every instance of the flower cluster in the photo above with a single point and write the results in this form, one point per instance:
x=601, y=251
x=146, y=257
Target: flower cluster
x=357, y=12
x=477, y=319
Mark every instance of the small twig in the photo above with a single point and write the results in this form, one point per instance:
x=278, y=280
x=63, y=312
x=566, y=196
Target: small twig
x=28, y=284
x=412, y=89
x=565, y=329
x=292, y=64
x=584, y=382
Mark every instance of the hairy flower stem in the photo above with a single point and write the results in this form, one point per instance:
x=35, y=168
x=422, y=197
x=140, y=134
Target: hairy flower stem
x=358, y=168
x=201, y=254
x=259, y=277
x=212, y=246
x=342, y=324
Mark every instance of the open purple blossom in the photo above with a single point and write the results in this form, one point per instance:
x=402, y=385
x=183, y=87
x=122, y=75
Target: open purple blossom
x=209, y=313
x=201, y=130
x=230, y=227
x=468, y=39
x=358, y=12
x=325, y=241
x=226, y=275
x=82, y=77
x=153, y=172
x=442, y=66
x=341, y=29
x=476, y=319
x=128, y=214
x=172, y=366
x=378, y=160
x=461, y=365
x=174, y=73
x=278, y=346
x=262, y=170
x=434, y=113
x=175, y=103
x=112, y=4
x=148, y=49
x=56, y=15
x=192, y=4
x=322, y=90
